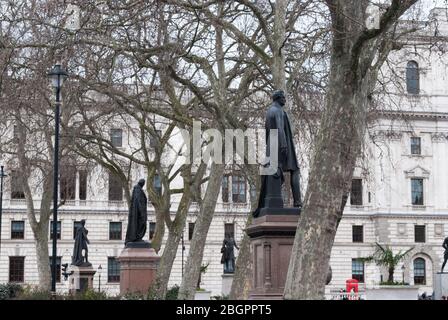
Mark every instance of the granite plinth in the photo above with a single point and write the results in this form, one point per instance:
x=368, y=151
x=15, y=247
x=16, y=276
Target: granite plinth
x=440, y=285
x=81, y=279
x=138, y=268
x=272, y=238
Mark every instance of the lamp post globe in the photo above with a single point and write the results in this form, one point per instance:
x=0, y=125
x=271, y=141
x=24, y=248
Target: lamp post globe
x=57, y=75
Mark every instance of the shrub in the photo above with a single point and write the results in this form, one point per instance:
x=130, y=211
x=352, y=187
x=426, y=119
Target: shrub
x=33, y=293
x=220, y=297
x=10, y=291
x=172, y=293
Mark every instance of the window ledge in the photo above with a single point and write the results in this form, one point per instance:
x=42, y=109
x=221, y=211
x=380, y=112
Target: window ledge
x=418, y=207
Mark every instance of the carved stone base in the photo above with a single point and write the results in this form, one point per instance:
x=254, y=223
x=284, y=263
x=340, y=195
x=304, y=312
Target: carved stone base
x=227, y=279
x=81, y=279
x=138, y=267
x=272, y=238
x=440, y=285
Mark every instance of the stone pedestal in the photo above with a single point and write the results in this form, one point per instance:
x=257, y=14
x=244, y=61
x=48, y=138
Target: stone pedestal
x=227, y=279
x=440, y=285
x=272, y=238
x=138, y=267
x=81, y=279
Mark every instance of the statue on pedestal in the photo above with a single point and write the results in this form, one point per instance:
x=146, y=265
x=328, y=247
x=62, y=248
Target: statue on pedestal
x=228, y=254
x=270, y=193
x=138, y=217
x=81, y=242
x=445, y=255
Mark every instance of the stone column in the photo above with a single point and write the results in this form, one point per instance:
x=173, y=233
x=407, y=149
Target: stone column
x=138, y=268
x=440, y=285
x=272, y=238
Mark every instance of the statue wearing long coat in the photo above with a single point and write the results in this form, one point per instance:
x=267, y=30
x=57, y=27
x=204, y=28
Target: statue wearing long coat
x=138, y=215
x=81, y=242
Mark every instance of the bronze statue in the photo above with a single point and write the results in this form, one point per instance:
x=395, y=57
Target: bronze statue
x=228, y=254
x=138, y=217
x=81, y=242
x=445, y=255
x=270, y=193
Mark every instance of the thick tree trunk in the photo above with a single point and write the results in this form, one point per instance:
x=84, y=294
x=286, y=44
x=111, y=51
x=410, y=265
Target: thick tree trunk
x=338, y=145
x=42, y=256
x=170, y=249
x=156, y=241
x=391, y=274
x=192, y=267
x=243, y=269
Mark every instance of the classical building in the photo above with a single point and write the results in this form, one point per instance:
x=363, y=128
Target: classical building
x=399, y=194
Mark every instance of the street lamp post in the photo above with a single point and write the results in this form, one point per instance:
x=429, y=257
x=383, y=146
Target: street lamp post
x=402, y=269
x=100, y=269
x=57, y=76
x=2, y=175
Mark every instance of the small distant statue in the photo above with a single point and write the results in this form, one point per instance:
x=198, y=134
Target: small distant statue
x=445, y=256
x=138, y=216
x=81, y=242
x=228, y=254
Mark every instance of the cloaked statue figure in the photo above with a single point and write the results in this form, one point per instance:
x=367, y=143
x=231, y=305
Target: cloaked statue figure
x=270, y=193
x=138, y=217
x=81, y=242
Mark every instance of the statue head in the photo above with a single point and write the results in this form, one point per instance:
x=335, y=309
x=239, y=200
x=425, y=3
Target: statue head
x=279, y=96
x=83, y=222
x=141, y=182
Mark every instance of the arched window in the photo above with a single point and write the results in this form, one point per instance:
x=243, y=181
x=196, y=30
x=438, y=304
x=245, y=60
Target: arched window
x=419, y=271
x=412, y=77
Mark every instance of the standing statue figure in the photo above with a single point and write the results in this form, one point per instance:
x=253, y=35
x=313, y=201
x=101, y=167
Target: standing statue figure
x=270, y=195
x=81, y=242
x=228, y=254
x=445, y=255
x=138, y=217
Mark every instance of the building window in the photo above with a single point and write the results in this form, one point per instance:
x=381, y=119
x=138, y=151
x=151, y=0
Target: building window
x=190, y=230
x=157, y=185
x=417, y=191
x=113, y=270
x=68, y=183
x=412, y=78
x=419, y=271
x=116, y=137
x=358, y=233
x=115, y=188
x=238, y=189
x=356, y=193
x=152, y=230
x=82, y=185
x=58, y=228
x=76, y=225
x=229, y=230
x=416, y=145
x=16, y=186
x=58, y=268
x=358, y=270
x=17, y=229
x=420, y=233
x=16, y=269
x=115, y=230
x=225, y=188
